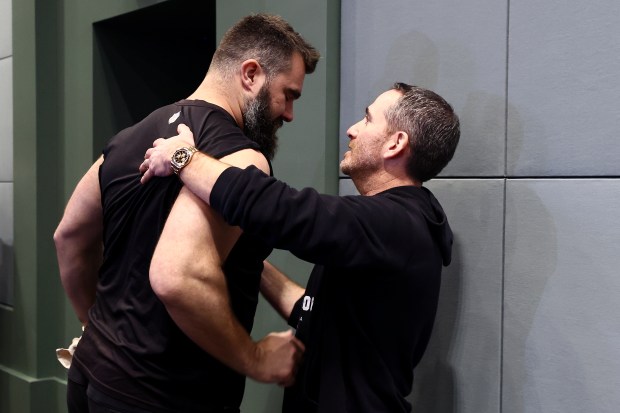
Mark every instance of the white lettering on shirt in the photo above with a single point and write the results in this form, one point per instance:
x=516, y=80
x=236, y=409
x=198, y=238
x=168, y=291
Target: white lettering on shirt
x=307, y=303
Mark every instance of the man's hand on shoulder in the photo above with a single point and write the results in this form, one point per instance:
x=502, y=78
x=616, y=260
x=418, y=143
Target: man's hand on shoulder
x=157, y=159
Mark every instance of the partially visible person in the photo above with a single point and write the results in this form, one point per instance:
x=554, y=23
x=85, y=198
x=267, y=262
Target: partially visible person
x=167, y=290
x=368, y=309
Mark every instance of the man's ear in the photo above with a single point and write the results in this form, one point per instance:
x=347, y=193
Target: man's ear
x=397, y=144
x=252, y=76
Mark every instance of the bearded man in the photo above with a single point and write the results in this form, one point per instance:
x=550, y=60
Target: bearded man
x=168, y=331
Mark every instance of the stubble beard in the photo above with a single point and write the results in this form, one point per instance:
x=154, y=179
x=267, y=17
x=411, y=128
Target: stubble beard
x=360, y=166
x=345, y=165
x=259, y=125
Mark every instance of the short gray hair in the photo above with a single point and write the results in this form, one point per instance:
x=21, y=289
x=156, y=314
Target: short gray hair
x=432, y=126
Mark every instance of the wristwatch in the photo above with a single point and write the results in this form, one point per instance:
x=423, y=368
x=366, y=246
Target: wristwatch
x=181, y=158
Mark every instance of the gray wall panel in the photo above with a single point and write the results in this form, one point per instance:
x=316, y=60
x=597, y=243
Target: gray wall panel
x=562, y=329
x=460, y=371
x=6, y=119
x=346, y=187
x=549, y=73
x=564, y=83
x=455, y=49
x=6, y=153
x=6, y=28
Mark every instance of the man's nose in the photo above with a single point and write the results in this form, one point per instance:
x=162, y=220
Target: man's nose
x=288, y=116
x=352, y=132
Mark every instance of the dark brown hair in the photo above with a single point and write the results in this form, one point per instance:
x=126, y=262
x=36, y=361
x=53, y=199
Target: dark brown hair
x=267, y=38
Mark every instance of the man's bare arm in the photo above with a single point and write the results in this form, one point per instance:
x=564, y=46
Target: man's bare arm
x=79, y=243
x=281, y=292
x=186, y=274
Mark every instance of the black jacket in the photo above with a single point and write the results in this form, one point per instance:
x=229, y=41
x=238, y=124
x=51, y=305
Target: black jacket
x=371, y=299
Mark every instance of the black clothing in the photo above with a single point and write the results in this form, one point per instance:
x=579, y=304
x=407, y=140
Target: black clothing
x=132, y=350
x=81, y=397
x=371, y=300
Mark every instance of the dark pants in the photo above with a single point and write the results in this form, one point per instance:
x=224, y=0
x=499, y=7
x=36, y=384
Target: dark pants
x=83, y=398
x=78, y=401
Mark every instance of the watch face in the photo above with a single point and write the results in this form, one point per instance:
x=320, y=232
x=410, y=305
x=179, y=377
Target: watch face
x=180, y=156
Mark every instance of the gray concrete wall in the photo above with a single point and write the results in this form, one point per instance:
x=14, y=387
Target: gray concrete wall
x=528, y=318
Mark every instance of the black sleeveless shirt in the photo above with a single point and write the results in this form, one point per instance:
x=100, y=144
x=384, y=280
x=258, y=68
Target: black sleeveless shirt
x=132, y=350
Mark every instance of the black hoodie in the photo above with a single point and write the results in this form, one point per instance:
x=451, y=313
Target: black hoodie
x=371, y=300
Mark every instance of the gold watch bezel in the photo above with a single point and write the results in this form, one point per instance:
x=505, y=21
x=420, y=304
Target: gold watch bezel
x=181, y=158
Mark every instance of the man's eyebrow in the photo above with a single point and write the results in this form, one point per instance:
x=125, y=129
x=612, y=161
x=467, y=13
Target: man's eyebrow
x=294, y=93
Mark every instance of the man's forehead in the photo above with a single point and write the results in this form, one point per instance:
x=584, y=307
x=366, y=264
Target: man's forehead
x=293, y=79
x=382, y=102
x=388, y=97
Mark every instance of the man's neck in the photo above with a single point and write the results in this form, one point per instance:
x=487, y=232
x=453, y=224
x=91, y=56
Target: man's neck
x=210, y=90
x=382, y=181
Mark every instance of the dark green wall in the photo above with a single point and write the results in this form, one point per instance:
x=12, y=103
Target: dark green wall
x=53, y=73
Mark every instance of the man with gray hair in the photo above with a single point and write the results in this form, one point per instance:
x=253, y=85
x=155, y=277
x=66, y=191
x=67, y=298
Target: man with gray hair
x=368, y=309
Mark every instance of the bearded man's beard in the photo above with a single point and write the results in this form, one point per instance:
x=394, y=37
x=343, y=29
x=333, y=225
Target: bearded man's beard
x=258, y=124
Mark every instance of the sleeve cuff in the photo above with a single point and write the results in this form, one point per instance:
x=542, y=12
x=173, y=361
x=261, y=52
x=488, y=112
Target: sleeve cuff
x=221, y=187
x=293, y=319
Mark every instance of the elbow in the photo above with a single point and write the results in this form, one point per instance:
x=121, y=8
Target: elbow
x=61, y=236
x=166, y=282
x=174, y=284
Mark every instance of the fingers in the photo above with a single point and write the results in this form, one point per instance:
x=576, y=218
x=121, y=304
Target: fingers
x=185, y=134
x=280, y=358
x=183, y=128
x=157, y=158
x=284, y=334
x=293, y=340
x=298, y=344
x=144, y=167
x=289, y=379
x=297, y=351
x=147, y=173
